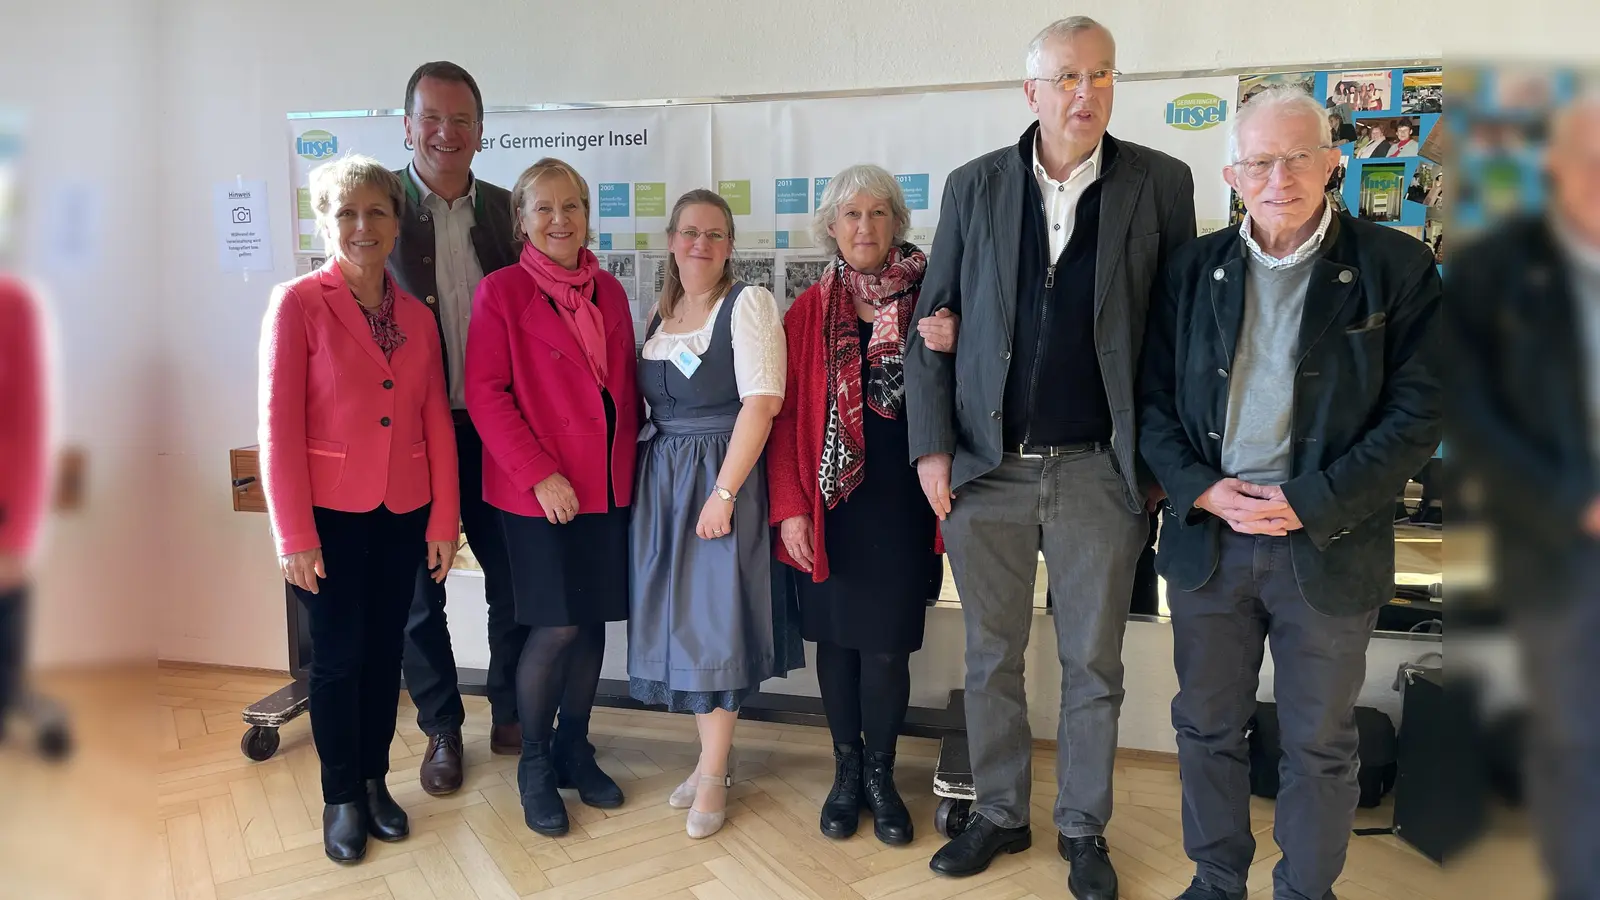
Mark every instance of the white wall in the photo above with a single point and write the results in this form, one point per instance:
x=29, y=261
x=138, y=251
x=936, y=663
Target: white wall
x=231, y=70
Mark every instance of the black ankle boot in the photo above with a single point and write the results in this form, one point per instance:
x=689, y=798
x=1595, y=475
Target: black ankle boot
x=841, y=812
x=542, y=808
x=573, y=758
x=891, y=822
x=344, y=831
x=386, y=821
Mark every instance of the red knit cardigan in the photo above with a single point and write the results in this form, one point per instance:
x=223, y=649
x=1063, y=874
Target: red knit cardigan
x=794, y=452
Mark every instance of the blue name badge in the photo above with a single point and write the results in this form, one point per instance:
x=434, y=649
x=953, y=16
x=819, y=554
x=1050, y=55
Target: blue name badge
x=686, y=362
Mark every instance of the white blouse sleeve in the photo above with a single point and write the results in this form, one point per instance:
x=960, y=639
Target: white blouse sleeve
x=760, y=356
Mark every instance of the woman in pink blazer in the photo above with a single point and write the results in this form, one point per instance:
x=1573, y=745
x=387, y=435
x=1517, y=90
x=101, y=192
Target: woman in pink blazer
x=358, y=461
x=22, y=472
x=552, y=388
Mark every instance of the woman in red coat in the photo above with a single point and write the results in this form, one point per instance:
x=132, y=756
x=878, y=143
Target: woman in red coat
x=552, y=389
x=851, y=511
x=22, y=472
x=358, y=462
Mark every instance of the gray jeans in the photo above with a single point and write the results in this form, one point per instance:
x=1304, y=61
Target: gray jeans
x=1073, y=509
x=1219, y=636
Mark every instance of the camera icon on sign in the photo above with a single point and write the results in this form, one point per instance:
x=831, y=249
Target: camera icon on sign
x=241, y=215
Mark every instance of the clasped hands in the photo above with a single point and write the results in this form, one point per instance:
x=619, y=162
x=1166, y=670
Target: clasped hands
x=1250, y=508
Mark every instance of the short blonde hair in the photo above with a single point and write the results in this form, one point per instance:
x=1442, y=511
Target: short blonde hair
x=333, y=180
x=874, y=181
x=539, y=171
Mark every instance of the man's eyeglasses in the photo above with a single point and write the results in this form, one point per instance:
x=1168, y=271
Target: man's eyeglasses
x=1298, y=162
x=694, y=234
x=1070, y=81
x=433, y=121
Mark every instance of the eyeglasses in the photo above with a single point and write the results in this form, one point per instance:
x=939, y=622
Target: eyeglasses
x=693, y=234
x=433, y=121
x=1069, y=81
x=1298, y=162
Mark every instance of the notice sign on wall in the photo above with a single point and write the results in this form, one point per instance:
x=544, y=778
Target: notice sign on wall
x=244, y=242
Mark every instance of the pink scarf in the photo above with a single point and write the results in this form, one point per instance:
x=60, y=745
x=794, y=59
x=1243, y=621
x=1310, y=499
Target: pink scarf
x=573, y=292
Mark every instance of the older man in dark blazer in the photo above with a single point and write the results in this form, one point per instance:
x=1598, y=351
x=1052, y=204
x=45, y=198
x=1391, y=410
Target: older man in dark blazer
x=454, y=230
x=1047, y=249
x=1287, y=398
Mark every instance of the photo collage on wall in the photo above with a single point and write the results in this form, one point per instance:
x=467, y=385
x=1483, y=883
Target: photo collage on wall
x=1385, y=123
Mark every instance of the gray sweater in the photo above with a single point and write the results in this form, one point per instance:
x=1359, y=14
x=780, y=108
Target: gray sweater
x=1255, y=445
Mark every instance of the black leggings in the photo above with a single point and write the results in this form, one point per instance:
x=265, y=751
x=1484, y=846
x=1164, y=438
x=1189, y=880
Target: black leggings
x=864, y=692
x=559, y=669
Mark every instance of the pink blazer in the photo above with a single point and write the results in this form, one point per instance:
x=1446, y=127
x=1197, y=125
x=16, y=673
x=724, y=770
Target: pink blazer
x=343, y=428
x=534, y=400
x=23, y=445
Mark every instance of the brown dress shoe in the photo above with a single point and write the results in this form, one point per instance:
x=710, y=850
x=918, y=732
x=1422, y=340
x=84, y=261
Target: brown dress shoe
x=506, y=740
x=441, y=764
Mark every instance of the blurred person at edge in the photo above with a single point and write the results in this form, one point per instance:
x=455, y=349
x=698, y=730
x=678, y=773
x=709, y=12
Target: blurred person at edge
x=358, y=464
x=1287, y=396
x=1524, y=330
x=23, y=470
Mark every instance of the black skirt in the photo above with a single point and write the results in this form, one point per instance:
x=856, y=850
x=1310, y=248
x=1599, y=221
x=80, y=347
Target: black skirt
x=572, y=574
x=882, y=568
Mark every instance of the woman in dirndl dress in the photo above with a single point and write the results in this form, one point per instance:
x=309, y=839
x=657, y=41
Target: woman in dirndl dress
x=706, y=625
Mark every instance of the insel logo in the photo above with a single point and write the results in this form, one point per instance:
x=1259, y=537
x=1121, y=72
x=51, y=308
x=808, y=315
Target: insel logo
x=1197, y=112
x=316, y=145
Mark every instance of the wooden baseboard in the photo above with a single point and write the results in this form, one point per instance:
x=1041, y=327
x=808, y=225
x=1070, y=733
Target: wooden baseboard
x=180, y=665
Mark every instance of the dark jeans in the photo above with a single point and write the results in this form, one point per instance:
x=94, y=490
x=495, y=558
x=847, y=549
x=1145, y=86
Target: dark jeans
x=1319, y=663
x=358, y=621
x=13, y=647
x=1560, y=644
x=430, y=663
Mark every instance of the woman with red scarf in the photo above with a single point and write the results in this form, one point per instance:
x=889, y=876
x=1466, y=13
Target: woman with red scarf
x=851, y=512
x=551, y=386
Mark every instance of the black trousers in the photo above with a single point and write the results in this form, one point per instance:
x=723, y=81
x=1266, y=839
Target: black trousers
x=13, y=646
x=430, y=663
x=358, y=618
x=1146, y=588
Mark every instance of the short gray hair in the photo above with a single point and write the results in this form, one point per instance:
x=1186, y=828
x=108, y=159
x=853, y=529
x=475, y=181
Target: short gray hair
x=332, y=180
x=1282, y=98
x=874, y=181
x=1061, y=28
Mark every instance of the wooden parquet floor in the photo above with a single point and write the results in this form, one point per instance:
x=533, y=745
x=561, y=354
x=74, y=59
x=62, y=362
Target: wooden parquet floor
x=232, y=829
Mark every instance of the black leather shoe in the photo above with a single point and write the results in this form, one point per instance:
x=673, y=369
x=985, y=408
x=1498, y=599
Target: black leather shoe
x=891, y=821
x=386, y=821
x=542, y=808
x=1199, y=890
x=1092, y=877
x=841, y=812
x=575, y=767
x=344, y=831
x=972, y=850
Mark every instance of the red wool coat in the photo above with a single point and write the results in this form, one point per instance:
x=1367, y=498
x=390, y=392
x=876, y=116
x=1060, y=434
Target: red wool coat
x=794, y=452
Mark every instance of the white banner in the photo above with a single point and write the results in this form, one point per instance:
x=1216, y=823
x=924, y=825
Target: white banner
x=772, y=159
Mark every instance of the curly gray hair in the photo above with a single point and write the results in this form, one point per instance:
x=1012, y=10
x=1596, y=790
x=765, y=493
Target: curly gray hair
x=874, y=181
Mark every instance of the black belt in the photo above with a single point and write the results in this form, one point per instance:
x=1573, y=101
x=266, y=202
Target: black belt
x=1040, y=451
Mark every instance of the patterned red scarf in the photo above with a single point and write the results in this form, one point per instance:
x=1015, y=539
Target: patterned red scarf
x=386, y=332
x=573, y=292
x=892, y=293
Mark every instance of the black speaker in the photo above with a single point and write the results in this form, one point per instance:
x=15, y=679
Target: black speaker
x=1440, y=801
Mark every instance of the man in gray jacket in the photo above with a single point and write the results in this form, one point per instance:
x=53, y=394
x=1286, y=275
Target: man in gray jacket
x=1024, y=438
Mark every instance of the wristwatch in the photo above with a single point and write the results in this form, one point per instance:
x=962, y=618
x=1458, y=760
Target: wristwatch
x=724, y=493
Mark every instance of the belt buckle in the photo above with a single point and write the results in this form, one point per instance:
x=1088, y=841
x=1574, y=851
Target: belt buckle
x=1022, y=451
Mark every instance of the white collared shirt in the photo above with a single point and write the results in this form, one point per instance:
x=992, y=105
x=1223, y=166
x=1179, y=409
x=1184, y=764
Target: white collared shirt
x=1301, y=254
x=1061, y=197
x=456, y=275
